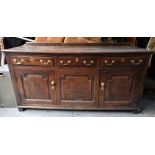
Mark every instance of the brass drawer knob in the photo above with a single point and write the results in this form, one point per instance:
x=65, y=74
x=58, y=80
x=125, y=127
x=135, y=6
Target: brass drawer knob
x=84, y=61
x=68, y=61
x=102, y=86
x=108, y=62
x=134, y=62
x=49, y=61
x=61, y=61
x=52, y=82
x=18, y=61
x=77, y=59
x=52, y=85
x=65, y=64
x=88, y=64
x=91, y=61
x=45, y=62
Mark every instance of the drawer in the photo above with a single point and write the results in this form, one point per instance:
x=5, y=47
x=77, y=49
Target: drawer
x=38, y=61
x=129, y=61
x=77, y=61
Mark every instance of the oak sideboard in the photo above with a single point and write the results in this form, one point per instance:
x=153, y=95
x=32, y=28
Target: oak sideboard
x=78, y=77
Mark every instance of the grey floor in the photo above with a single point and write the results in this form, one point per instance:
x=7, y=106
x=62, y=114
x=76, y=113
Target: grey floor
x=8, y=107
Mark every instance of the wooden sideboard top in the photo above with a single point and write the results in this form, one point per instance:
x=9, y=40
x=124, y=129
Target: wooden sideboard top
x=61, y=48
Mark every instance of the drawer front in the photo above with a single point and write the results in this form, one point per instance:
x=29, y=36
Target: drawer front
x=77, y=61
x=38, y=61
x=129, y=61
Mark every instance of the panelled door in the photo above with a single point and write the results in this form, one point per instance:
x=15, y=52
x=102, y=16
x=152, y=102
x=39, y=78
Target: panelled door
x=118, y=88
x=77, y=87
x=36, y=86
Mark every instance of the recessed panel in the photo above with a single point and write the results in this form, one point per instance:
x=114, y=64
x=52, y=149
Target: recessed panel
x=36, y=86
x=77, y=88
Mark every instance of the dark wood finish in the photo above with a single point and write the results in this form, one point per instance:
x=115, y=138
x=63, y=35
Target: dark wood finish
x=119, y=88
x=77, y=88
x=121, y=61
x=35, y=85
x=77, y=61
x=51, y=48
x=33, y=61
x=78, y=77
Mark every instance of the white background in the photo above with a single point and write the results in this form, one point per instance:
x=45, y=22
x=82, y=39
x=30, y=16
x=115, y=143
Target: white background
x=77, y=136
x=77, y=18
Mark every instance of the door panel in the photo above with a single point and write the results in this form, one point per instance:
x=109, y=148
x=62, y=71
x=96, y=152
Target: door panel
x=119, y=88
x=73, y=87
x=35, y=86
x=77, y=88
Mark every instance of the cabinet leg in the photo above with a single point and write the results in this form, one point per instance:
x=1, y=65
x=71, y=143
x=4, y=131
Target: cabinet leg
x=21, y=109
